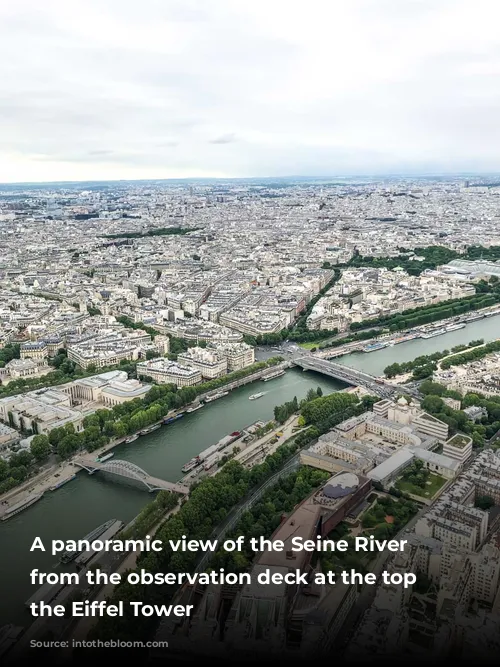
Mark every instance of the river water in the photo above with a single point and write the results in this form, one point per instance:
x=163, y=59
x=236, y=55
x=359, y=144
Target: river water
x=76, y=508
x=375, y=362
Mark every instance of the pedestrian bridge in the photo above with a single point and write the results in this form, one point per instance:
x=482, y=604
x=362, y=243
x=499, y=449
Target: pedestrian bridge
x=130, y=471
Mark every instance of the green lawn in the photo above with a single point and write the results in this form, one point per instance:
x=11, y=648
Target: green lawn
x=310, y=345
x=434, y=483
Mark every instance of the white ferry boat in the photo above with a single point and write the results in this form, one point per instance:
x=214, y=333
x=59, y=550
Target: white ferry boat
x=272, y=376
x=253, y=397
x=473, y=318
x=433, y=332
x=455, y=327
x=214, y=397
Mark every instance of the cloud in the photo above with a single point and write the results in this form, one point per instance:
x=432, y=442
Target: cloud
x=128, y=89
x=224, y=139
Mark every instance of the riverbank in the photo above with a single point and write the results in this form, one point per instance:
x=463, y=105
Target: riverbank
x=375, y=362
x=43, y=482
x=341, y=350
x=89, y=500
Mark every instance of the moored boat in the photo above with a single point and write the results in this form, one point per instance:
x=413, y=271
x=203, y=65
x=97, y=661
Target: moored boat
x=63, y=481
x=196, y=407
x=169, y=420
x=68, y=556
x=22, y=505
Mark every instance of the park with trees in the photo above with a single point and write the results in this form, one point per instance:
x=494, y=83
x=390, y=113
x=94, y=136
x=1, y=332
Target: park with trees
x=424, y=365
x=419, y=481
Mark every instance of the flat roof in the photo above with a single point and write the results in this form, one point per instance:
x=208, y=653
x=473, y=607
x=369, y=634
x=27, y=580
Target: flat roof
x=301, y=523
x=391, y=465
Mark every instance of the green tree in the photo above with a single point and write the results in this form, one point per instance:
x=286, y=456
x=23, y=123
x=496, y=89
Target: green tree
x=40, y=448
x=484, y=502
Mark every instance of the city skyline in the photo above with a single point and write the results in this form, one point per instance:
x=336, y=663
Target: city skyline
x=114, y=91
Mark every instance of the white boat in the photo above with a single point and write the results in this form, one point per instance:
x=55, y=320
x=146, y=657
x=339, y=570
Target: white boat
x=101, y=459
x=214, y=397
x=434, y=332
x=21, y=506
x=253, y=397
x=194, y=463
x=373, y=347
x=455, y=327
x=64, y=481
x=196, y=407
x=132, y=438
x=271, y=376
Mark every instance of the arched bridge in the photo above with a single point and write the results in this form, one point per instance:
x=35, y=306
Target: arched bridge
x=130, y=471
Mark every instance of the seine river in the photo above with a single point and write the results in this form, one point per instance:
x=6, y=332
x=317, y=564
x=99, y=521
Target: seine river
x=75, y=509
x=81, y=505
x=375, y=362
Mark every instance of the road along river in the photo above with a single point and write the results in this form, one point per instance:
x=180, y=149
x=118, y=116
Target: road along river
x=81, y=505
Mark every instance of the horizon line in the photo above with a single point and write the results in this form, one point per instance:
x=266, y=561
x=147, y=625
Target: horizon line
x=416, y=175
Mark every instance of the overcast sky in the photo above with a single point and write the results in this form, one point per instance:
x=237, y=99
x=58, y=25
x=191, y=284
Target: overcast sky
x=109, y=89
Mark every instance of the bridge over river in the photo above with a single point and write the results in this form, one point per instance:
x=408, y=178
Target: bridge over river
x=130, y=471
x=354, y=377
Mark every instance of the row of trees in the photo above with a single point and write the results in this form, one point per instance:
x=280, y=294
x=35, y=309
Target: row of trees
x=127, y=418
x=471, y=355
x=160, y=231
x=283, y=412
x=416, y=317
x=209, y=503
x=264, y=517
x=433, y=256
x=164, y=502
x=15, y=471
x=320, y=410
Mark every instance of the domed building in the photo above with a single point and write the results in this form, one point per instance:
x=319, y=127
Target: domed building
x=341, y=493
x=341, y=485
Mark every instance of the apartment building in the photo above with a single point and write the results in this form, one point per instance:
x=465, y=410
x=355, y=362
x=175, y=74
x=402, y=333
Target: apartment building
x=34, y=350
x=238, y=355
x=209, y=362
x=163, y=371
x=459, y=447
